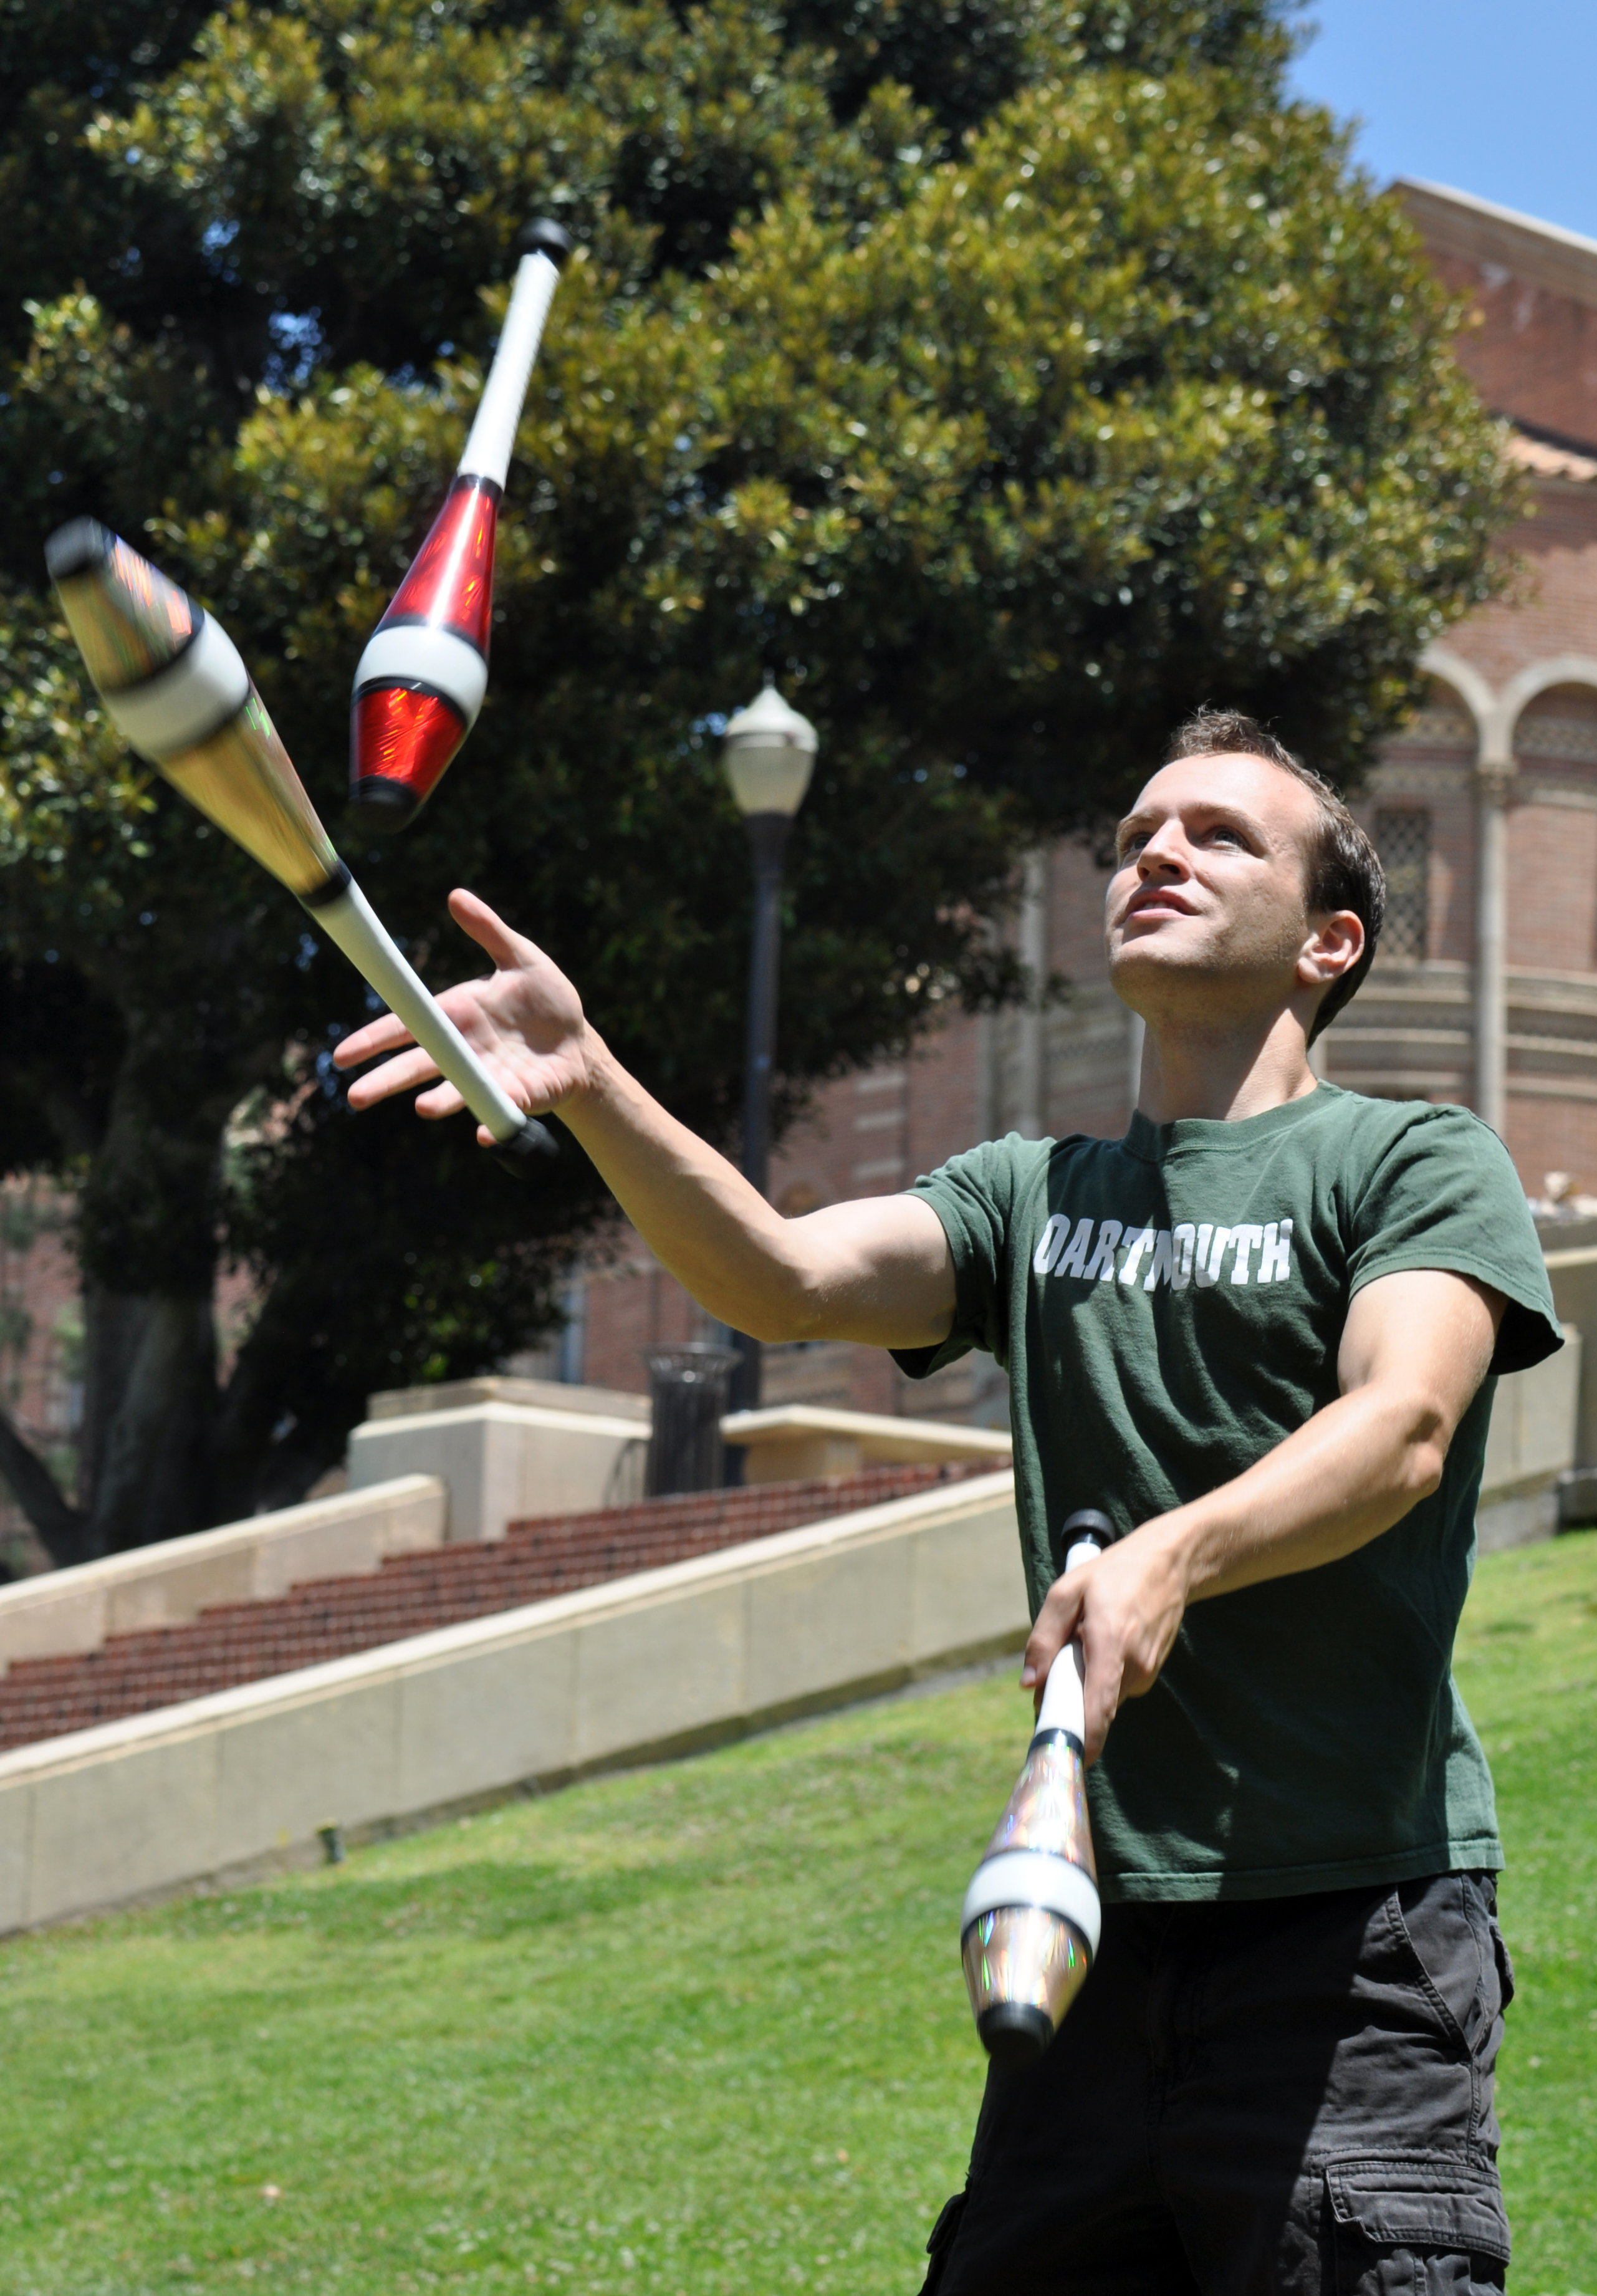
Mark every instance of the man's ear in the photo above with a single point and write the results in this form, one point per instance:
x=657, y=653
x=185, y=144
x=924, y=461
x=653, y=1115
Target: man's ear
x=1334, y=946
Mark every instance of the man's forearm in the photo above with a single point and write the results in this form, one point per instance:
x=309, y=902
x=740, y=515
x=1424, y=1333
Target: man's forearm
x=1349, y=1473
x=714, y=1233
x=878, y=1271
x=1415, y=1348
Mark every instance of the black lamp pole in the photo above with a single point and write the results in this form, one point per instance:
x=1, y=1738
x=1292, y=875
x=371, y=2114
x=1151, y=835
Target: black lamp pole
x=767, y=843
x=770, y=755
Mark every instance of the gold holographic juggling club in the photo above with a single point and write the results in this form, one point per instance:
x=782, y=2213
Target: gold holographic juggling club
x=1029, y=1926
x=174, y=687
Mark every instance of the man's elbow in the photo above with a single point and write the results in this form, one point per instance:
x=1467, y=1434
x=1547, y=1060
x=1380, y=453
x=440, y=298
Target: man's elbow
x=1424, y=1465
x=777, y=1325
x=1423, y=1452
x=808, y=1314
x=792, y=1305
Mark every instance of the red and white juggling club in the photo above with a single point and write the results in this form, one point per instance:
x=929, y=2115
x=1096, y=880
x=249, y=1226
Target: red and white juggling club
x=1029, y=1926
x=178, y=692
x=420, y=683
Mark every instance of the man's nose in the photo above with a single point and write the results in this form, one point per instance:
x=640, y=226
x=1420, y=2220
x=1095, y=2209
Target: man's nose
x=1163, y=853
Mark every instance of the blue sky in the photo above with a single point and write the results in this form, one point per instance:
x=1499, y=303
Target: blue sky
x=1492, y=96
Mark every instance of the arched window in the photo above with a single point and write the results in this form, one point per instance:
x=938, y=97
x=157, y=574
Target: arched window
x=1402, y=840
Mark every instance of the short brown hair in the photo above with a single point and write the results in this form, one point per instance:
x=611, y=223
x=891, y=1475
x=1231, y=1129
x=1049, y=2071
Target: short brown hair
x=1344, y=870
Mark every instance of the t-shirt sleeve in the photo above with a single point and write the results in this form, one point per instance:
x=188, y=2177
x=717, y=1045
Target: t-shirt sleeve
x=973, y=1195
x=1444, y=1194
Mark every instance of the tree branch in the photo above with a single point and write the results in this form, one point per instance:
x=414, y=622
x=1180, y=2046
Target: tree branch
x=62, y=1527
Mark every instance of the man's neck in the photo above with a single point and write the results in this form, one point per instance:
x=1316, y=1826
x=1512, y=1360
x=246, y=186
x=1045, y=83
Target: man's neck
x=1224, y=1074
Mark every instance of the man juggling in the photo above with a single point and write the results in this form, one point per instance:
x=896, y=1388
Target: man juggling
x=1259, y=1333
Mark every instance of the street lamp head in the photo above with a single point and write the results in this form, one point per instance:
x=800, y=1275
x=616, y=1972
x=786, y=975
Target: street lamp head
x=770, y=755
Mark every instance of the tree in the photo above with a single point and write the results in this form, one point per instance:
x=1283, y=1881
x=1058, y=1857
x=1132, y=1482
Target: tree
x=1007, y=381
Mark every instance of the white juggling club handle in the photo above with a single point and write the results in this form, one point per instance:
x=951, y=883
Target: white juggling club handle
x=493, y=433
x=1064, y=1694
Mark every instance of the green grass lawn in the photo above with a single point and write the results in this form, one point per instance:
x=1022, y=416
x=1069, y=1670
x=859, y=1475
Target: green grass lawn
x=1528, y=1662
x=699, y=2028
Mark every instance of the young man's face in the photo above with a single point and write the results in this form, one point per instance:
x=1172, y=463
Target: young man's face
x=1206, y=916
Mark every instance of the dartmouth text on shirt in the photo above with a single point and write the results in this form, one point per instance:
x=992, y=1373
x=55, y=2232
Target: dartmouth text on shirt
x=1103, y=1251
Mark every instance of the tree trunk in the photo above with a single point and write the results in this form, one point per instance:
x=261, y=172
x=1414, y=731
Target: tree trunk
x=63, y=1527
x=160, y=1451
x=147, y=1219
x=145, y=1465
x=145, y=1468
x=265, y=1457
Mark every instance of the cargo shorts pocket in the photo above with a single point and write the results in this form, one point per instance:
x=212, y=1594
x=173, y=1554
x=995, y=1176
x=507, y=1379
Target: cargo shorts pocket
x=1420, y=2226
x=1445, y=1923
x=944, y=2234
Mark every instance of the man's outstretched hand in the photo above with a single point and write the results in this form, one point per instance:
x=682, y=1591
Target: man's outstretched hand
x=524, y=1018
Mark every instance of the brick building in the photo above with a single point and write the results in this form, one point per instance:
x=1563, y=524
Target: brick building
x=1484, y=811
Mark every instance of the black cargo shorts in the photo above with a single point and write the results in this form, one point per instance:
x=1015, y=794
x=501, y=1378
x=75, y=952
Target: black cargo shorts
x=1291, y=2097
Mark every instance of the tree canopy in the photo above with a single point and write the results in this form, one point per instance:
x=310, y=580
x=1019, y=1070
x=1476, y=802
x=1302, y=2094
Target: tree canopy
x=1007, y=379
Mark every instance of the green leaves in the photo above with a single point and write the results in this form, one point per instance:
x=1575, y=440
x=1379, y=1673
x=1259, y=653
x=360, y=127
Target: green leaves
x=93, y=413
x=73, y=805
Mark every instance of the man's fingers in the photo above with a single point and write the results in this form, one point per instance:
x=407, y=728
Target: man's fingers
x=399, y=1075
x=1042, y=1649
x=443, y=1100
x=1101, y=1699
x=1040, y=1656
x=1056, y=1622
x=508, y=949
x=385, y=1034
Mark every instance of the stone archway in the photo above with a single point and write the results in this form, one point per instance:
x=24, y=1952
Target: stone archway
x=1496, y=712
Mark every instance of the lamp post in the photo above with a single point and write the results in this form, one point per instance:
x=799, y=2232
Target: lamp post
x=769, y=753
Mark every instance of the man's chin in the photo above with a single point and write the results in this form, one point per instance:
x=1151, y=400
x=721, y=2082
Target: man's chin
x=1163, y=945
x=1171, y=975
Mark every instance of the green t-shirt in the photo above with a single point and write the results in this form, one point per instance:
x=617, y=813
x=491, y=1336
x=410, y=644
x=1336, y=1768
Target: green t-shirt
x=1169, y=1308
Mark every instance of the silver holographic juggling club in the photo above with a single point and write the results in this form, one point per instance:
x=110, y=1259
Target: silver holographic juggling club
x=176, y=689
x=1029, y=1927
x=420, y=683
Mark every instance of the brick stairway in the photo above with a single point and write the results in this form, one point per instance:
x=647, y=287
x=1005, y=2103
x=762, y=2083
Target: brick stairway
x=411, y=1594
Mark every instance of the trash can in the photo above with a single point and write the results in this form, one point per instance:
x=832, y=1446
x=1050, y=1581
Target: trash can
x=689, y=1384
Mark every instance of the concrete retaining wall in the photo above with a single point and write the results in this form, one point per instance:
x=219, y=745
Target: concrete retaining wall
x=508, y=1387
x=645, y=1666
x=1531, y=1442
x=504, y=1460
x=1573, y=1274
x=793, y=1441
x=63, y=1611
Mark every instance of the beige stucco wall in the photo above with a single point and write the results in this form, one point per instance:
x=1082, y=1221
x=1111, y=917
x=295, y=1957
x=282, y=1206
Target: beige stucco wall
x=1573, y=1274
x=668, y=1659
x=502, y=1461
x=791, y=1441
x=1534, y=1422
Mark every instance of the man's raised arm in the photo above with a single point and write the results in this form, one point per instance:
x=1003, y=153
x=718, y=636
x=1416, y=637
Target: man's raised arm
x=877, y=1270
